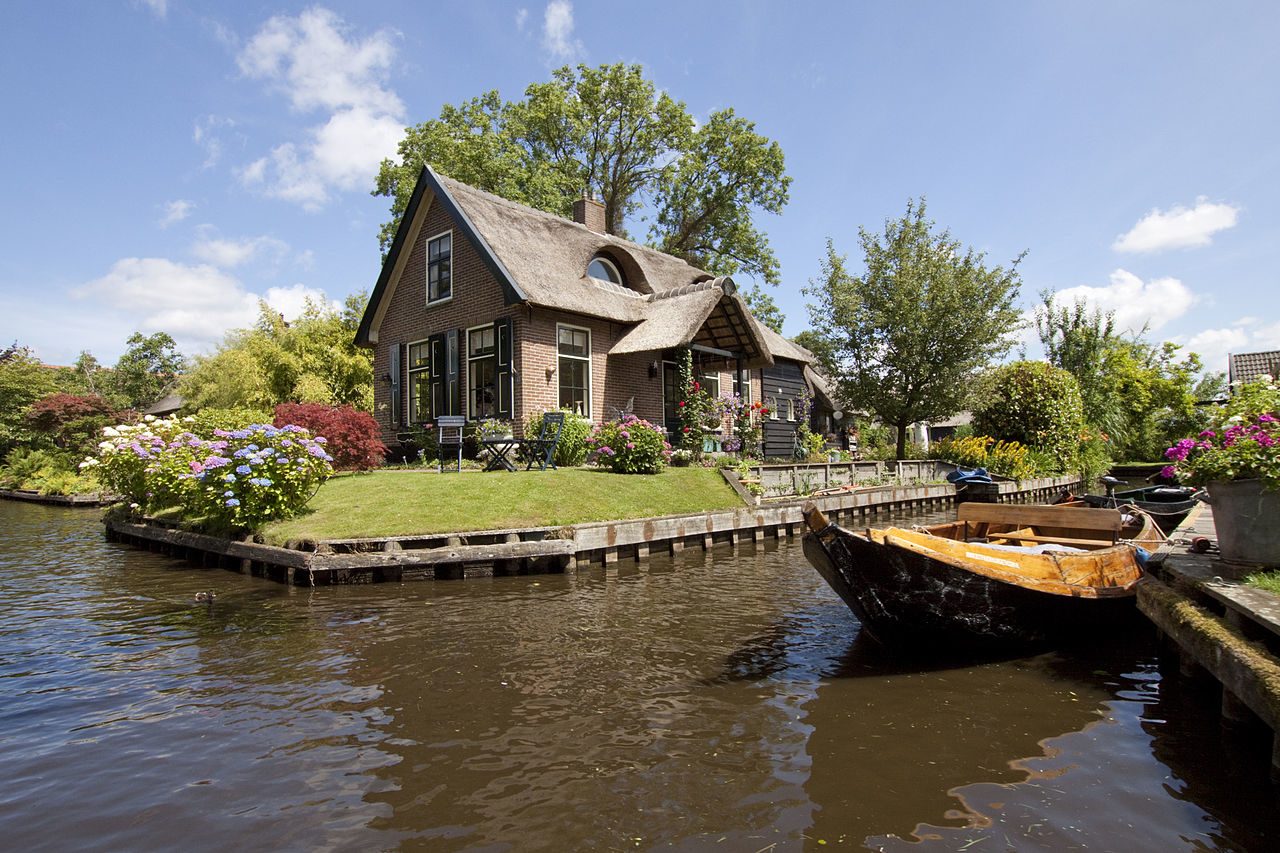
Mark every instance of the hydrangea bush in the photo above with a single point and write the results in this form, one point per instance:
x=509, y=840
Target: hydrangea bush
x=1241, y=442
x=237, y=479
x=629, y=445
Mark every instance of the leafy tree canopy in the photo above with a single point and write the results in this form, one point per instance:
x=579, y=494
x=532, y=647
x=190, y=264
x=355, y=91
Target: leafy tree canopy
x=23, y=381
x=609, y=131
x=149, y=365
x=906, y=337
x=311, y=360
x=1141, y=395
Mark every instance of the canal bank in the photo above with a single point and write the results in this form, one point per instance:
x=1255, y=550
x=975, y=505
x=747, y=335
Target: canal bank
x=1214, y=629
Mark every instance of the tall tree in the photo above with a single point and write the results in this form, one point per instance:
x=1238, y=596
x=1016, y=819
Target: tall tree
x=907, y=336
x=1081, y=341
x=610, y=132
x=23, y=381
x=149, y=365
x=310, y=360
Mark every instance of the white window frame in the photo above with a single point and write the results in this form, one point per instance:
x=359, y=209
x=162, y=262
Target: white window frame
x=470, y=358
x=713, y=375
x=611, y=265
x=560, y=355
x=791, y=409
x=774, y=414
x=407, y=401
x=426, y=273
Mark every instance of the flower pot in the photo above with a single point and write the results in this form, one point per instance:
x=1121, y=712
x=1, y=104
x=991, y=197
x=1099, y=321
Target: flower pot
x=1247, y=519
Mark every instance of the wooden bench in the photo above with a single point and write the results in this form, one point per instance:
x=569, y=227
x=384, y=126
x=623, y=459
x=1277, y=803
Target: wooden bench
x=1106, y=522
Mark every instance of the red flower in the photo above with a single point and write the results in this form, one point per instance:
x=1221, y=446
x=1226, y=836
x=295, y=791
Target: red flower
x=697, y=387
x=685, y=429
x=682, y=404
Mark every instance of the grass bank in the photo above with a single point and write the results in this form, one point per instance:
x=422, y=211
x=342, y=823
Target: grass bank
x=404, y=503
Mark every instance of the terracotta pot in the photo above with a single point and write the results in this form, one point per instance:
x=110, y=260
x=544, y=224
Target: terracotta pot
x=1247, y=519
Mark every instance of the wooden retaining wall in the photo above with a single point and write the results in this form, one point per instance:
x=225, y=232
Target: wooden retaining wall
x=503, y=552
x=86, y=501
x=1213, y=627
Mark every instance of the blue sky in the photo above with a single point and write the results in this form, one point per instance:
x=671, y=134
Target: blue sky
x=167, y=163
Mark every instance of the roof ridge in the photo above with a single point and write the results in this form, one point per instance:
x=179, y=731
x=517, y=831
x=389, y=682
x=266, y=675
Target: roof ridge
x=685, y=289
x=560, y=220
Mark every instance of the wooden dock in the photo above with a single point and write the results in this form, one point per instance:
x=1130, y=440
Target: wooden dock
x=1215, y=626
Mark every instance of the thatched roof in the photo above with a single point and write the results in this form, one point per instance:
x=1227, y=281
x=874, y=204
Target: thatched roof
x=541, y=259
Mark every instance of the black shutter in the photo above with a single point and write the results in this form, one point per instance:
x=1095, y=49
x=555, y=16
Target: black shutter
x=397, y=399
x=453, y=387
x=435, y=354
x=502, y=334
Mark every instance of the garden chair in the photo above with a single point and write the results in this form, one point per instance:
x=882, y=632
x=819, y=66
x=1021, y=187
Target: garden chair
x=542, y=450
x=449, y=434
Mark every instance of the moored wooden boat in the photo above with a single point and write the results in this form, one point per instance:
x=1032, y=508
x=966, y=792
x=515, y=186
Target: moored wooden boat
x=1167, y=505
x=1002, y=574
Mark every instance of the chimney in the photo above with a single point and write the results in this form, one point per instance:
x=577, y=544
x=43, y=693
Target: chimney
x=589, y=212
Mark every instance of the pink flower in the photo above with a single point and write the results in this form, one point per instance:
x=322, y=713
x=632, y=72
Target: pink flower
x=1168, y=472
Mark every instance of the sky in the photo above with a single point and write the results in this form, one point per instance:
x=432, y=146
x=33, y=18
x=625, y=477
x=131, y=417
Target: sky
x=168, y=163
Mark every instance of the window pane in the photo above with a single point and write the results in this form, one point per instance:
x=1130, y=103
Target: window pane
x=418, y=358
x=480, y=341
x=439, y=269
x=482, y=388
x=419, y=397
x=574, y=342
x=710, y=383
x=604, y=271
x=573, y=385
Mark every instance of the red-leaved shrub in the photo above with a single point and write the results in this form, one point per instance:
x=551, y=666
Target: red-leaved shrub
x=72, y=421
x=353, y=437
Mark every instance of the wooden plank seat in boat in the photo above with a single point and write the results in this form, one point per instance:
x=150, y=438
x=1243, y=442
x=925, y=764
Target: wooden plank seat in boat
x=1014, y=519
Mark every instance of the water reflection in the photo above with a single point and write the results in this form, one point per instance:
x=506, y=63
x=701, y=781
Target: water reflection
x=722, y=700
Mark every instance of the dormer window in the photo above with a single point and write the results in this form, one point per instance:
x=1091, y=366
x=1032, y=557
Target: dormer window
x=604, y=269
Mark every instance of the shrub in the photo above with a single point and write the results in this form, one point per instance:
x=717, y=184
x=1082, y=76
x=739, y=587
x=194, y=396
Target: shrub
x=263, y=473
x=205, y=421
x=1006, y=458
x=72, y=421
x=573, y=447
x=682, y=458
x=48, y=472
x=1036, y=404
x=354, y=439
x=239, y=479
x=629, y=445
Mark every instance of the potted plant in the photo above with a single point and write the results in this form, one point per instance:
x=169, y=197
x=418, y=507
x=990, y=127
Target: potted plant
x=1237, y=458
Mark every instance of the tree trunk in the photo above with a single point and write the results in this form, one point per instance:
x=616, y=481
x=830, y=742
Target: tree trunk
x=902, y=440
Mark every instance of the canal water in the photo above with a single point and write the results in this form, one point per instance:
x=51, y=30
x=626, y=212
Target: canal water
x=706, y=702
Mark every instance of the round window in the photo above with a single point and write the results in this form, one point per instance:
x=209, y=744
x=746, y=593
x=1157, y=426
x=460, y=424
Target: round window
x=604, y=269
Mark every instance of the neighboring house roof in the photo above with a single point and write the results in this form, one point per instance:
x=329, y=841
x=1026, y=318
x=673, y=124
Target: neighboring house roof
x=541, y=259
x=166, y=405
x=1244, y=366
x=956, y=420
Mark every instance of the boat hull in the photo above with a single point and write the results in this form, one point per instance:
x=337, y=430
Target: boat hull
x=903, y=597
x=1167, y=513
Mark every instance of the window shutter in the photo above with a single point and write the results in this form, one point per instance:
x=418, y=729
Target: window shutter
x=435, y=351
x=503, y=337
x=453, y=385
x=397, y=399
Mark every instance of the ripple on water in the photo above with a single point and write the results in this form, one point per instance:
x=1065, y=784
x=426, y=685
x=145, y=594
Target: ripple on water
x=721, y=700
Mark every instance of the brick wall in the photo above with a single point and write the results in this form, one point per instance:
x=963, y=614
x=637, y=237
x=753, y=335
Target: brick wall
x=477, y=300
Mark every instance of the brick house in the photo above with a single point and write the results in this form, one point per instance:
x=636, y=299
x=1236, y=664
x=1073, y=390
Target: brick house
x=491, y=309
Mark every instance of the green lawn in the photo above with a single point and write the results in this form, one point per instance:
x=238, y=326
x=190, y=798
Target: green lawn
x=402, y=503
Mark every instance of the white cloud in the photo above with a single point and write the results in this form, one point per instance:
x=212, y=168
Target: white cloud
x=311, y=60
x=205, y=133
x=175, y=211
x=159, y=8
x=522, y=17
x=557, y=32
x=1136, y=303
x=228, y=254
x=1245, y=335
x=1178, y=228
x=197, y=304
